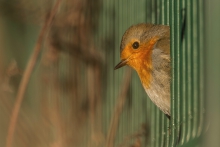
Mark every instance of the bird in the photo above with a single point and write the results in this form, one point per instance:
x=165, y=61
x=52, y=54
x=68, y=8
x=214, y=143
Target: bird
x=146, y=48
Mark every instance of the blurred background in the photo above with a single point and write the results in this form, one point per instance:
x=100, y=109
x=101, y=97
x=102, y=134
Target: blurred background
x=58, y=87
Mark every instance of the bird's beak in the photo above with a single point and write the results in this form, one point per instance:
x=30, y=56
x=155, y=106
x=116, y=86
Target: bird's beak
x=120, y=64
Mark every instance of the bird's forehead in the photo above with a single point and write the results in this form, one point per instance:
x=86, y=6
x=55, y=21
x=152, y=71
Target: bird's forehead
x=130, y=35
x=143, y=32
x=135, y=32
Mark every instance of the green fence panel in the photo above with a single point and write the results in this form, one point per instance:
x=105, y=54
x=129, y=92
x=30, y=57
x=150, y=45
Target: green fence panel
x=186, y=21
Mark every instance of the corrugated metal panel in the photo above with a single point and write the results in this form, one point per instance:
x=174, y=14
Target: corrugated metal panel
x=186, y=21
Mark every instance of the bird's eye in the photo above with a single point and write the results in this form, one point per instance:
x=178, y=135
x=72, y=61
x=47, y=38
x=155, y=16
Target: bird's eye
x=135, y=45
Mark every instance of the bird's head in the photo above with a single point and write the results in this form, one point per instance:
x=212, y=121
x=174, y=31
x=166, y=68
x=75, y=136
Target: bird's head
x=137, y=44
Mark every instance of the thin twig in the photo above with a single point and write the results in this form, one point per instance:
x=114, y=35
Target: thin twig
x=137, y=136
x=118, y=109
x=27, y=73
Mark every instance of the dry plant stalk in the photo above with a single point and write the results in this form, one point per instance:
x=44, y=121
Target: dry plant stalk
x=118, y=109
x=142, y=132
x=27, y=73
x=71, y=43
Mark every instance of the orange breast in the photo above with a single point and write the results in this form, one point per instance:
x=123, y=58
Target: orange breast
x=141, y=60
x=145, y=68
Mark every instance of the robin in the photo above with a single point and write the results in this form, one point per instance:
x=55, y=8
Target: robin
x=146, y=48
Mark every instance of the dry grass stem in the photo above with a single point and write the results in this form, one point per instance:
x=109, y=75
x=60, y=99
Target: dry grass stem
x=118, y=109
x=27, y=73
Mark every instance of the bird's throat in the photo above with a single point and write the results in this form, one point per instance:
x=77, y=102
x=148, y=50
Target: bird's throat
x=142, y=63
x=144, y=69
x=145, y=74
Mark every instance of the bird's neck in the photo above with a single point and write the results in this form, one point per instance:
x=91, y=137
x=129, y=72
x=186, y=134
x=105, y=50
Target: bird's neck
x=145, y=73
x=143, y=65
